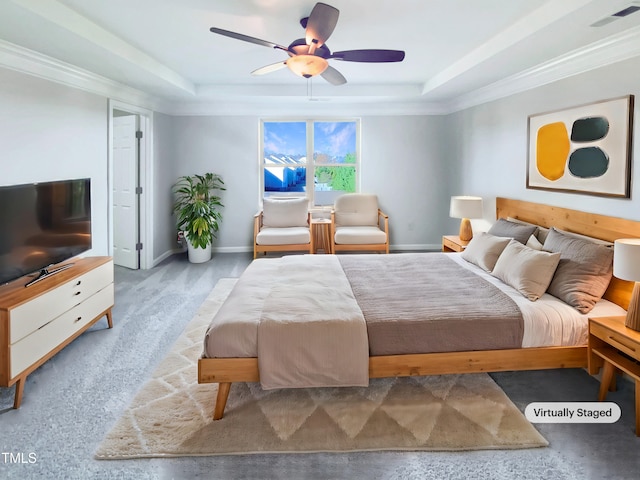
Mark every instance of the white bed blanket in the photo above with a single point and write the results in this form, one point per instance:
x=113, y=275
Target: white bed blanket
x=312, y=332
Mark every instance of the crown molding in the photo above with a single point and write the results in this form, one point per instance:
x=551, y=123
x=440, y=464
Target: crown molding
x=15, y=57
x=613, y=49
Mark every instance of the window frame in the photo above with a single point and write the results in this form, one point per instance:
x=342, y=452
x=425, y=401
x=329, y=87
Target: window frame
x=310, y=163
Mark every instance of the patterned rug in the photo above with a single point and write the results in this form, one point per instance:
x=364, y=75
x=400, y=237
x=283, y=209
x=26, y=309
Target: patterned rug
x=171, y=414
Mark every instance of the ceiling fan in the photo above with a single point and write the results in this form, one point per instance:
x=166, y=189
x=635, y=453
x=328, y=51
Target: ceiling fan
x=309, y=56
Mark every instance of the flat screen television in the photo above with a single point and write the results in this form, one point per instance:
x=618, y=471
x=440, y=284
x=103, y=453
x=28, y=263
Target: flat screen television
x=41, y=225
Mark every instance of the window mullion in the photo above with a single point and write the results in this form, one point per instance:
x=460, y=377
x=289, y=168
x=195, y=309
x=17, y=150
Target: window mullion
x=311, y=165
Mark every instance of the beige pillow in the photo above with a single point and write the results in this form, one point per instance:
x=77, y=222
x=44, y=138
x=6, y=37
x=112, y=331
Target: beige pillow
x=534, y=243
x=483, y=250
x=584, y=271
x=285, y=212
x=527, y=270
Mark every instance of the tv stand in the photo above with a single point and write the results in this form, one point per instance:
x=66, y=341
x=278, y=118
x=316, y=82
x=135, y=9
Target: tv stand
x=38, y=322
x=46, y=272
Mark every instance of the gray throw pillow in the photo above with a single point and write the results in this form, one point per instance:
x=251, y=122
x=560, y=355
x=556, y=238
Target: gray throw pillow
x=518, y=231
x=583, y=273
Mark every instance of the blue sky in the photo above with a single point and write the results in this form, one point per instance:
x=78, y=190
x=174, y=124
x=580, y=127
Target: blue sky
x=333, y=138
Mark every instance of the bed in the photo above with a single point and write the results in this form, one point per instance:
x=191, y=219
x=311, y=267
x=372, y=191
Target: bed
x=404, y=348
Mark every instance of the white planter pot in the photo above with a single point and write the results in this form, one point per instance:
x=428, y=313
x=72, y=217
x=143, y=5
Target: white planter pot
x=197, y=254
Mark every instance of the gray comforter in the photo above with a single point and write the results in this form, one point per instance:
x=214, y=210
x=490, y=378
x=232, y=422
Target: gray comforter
x=417, y=303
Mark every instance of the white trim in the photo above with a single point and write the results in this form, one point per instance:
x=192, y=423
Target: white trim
x=15, y=57
x=613, y=49
x=146, y=179
x=610, y=50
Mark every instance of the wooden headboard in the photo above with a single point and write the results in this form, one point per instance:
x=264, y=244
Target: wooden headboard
x=591, y=224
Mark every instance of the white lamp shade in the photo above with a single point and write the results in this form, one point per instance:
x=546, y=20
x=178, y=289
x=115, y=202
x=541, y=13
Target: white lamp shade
x=626, y=259
x=465, y=207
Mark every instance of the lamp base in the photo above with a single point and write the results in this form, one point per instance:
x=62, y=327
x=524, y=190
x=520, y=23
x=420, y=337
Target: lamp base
x=466, y=233
x=633, y=312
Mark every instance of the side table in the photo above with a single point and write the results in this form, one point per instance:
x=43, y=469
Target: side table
x=452, y=243
x=321, y=231
x=616, y=348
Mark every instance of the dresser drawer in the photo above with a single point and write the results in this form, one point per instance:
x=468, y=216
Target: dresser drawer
x=35, y=346
x=615, y=339
x=31, y=316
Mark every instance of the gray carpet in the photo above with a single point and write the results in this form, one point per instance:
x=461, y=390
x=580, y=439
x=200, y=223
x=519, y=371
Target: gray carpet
x=72, y=401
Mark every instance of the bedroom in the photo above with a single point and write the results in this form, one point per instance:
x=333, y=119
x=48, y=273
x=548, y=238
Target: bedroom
x=59, y=131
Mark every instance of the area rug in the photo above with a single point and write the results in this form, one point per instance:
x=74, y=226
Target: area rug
x=172, y=415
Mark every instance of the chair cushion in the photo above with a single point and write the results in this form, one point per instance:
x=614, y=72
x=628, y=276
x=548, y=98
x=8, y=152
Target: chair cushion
x=359, y=235
x=283, y=236
x=285, y=212
x=356, y=209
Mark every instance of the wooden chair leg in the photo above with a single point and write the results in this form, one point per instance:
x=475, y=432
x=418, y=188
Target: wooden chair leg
x=221, y=400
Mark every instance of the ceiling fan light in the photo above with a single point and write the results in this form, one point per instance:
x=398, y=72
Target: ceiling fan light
x=307, y=65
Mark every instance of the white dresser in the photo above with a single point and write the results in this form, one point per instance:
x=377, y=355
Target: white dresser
x=38, y=321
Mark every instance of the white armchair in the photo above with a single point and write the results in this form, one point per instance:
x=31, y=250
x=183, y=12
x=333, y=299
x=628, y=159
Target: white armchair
x=358, y=224
x=282, y=225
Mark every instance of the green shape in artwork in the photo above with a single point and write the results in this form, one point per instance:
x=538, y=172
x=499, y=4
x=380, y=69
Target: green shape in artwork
x=589, y=129
x=589, y=162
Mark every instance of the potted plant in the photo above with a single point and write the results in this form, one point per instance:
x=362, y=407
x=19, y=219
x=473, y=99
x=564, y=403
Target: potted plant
x=197, y=207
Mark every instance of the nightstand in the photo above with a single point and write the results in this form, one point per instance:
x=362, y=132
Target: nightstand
x=452, y=243
x=616, y=348
x=321, y=231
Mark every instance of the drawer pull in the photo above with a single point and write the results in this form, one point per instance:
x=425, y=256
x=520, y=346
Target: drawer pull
x=79, y=282
x=78, y=319
x=615, y=340
x=77, y=293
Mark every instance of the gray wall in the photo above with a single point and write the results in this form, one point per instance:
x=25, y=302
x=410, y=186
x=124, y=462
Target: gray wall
x=490, y=141
x=52, y=132
x=413, y=163
x=402, y=162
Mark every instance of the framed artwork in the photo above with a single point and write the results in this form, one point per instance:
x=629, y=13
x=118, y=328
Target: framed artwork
x=584, y=149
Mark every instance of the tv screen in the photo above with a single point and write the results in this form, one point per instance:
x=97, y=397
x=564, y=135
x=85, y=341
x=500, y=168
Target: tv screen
x=42, y=224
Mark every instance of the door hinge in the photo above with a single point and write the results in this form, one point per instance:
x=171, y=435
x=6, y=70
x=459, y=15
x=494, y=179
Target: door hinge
x=138, y=246
x=139, y=134
x=138, y=190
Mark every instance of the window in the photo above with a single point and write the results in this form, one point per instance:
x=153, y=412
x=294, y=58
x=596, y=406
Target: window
x=319, y=159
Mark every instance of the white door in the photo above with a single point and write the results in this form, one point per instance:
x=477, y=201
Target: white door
x=125, y=198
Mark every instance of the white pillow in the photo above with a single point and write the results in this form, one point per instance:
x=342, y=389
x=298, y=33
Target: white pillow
x=484, y=249
x=534, y=243
x=285, y=212
x=527, y=270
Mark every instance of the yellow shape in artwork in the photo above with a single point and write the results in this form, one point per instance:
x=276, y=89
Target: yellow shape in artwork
x=552, y=149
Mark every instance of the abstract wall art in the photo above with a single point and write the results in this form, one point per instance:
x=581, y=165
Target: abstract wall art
x=584, y=149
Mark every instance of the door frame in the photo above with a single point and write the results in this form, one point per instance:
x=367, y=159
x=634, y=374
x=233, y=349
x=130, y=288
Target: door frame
x=145, y=217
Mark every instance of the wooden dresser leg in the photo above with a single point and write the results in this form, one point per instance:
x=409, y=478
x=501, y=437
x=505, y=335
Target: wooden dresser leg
x=19, y=391
x=109, y=319
x=221, y=401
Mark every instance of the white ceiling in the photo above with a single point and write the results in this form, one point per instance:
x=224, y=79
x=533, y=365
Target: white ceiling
x=454, y=48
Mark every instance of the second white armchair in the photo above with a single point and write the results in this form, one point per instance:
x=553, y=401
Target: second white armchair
x=357, y=224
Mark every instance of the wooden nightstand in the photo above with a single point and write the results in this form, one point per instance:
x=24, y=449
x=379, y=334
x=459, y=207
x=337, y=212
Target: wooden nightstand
x=452, y=243
x=321, y=230
x=616, y=348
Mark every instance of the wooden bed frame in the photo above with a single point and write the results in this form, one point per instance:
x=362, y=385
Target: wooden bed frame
x=225, y=371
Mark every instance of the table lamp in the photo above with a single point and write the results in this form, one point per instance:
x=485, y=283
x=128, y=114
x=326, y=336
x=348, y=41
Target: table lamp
x=626, y=266
x=465, y=208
